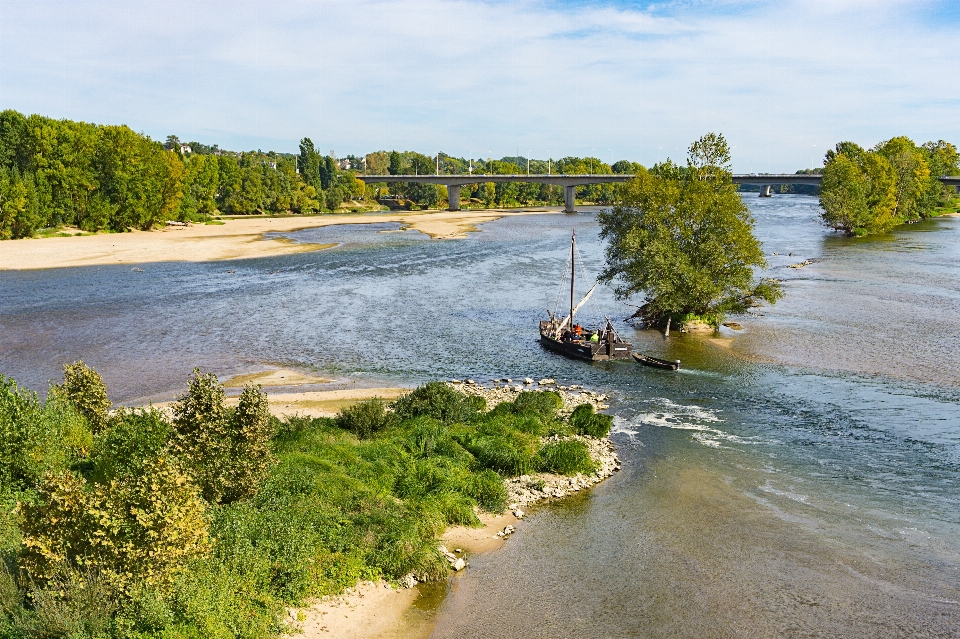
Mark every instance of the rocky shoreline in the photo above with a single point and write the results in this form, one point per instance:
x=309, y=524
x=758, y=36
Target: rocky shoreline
x=527, y=490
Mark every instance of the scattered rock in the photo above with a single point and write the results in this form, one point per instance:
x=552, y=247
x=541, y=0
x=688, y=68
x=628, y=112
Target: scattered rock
x=407, y=581
x=528, y=380
x=801, y=264
x=518, y=513
x=458, y=565
x=547, y=381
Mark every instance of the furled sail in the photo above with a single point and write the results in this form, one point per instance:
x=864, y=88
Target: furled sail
x=576, y=308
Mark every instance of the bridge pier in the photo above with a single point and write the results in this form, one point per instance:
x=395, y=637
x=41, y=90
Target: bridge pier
x=766, y=190
x=569, y=199
x=453, y=197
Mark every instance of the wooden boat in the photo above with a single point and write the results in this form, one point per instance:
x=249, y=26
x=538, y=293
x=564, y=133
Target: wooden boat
x=568, y=338
x=656, y=362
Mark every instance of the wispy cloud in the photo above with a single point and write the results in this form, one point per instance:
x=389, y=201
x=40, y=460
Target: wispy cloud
x=782, y=80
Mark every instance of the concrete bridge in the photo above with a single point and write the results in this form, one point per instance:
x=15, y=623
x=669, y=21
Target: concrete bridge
x=571, y=182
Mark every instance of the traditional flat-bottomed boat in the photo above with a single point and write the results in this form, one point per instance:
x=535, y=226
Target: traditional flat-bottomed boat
x=656, y=362
x=565, y=336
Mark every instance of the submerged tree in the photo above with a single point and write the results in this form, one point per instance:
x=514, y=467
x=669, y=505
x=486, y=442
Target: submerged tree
x=683, y=238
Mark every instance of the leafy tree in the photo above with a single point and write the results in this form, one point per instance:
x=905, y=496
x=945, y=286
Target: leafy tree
x=683, y=238
x=913, y=178
x=84, y=388
x=226, y=452
x=19, y=205
x=396, y=164
x=858, y=191
x=309, y=163
x=943, y=160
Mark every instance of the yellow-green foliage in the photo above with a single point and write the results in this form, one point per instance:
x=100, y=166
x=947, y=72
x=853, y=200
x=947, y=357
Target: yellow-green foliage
x=137, y=530
x=865, y=192
x=84, y=388
x=226, y=452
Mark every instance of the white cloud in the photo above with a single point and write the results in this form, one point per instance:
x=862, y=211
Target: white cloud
x=489, y=77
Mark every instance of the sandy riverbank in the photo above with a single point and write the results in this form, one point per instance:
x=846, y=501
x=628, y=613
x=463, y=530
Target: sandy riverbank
x=234, y=239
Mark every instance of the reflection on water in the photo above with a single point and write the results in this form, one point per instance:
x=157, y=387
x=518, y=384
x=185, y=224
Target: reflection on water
x=801, y=479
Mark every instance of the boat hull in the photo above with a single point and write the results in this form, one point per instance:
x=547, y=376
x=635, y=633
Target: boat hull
x=655, y=362
x=586, y=350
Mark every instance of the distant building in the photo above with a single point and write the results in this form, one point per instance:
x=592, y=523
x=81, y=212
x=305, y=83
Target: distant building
x=344, y=164
x=185, y=149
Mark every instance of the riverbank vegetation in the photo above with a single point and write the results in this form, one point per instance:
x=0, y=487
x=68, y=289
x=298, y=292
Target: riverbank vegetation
x=871, y=191
x=210, y=521
x=682, y=238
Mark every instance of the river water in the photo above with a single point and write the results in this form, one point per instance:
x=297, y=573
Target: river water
x=798, y=478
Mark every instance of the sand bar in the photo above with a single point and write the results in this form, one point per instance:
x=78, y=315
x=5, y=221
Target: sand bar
x=234, y=239
x=322, y=403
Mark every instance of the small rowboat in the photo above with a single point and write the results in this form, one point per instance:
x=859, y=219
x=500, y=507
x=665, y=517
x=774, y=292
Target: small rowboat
x=655, y=362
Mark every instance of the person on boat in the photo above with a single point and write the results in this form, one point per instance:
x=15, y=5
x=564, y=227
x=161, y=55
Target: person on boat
x=594, y=337
x=578, y=331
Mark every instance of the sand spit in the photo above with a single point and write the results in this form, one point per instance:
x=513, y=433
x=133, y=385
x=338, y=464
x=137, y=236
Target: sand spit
x=234, y=239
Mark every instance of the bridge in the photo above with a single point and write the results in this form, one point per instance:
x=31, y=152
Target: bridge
x=571, y=182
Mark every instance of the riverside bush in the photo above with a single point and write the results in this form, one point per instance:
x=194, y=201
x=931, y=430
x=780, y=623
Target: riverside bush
x=226, y=452
x=586, y=422
x=84, y=388
x=439, y=401
x=365, y=418
x=565, y=457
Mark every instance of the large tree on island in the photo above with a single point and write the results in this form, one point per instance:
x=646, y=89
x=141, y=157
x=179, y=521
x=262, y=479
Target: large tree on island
x=683, y=239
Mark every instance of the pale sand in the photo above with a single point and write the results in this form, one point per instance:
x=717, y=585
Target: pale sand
x=371, y=610
x=235, y=239
x=325, y=403
x=279, y=377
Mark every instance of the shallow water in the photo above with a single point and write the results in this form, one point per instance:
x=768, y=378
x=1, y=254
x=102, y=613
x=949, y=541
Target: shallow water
x=801, y=480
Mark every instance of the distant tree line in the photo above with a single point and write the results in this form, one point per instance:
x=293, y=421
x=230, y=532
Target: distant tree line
x=103, y=177
x=870, y=191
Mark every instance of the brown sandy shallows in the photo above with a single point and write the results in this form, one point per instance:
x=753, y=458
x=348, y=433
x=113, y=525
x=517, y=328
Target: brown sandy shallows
x=235, y=239
x=278, y=377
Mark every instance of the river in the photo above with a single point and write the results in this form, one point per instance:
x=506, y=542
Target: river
x=796, y=478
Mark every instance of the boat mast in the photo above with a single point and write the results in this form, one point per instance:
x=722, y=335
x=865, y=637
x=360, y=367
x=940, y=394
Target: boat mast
x=573, y=242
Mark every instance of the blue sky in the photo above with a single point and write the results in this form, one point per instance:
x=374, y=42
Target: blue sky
x=782, y=80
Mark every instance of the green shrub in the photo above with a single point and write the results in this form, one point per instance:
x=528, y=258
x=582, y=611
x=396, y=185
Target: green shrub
x=586, y=422
x=84, y=388
x=227, y=453
x=541, y=403
x=509, y=454
x=436, y=400
x=366, y=418
x=565, y=457
x=74, y=603
x=487, y=488
x=134, y=437
x=37, y=438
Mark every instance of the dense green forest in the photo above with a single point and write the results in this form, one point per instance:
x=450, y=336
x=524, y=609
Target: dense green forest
x=208, y=522
x=870, y=191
